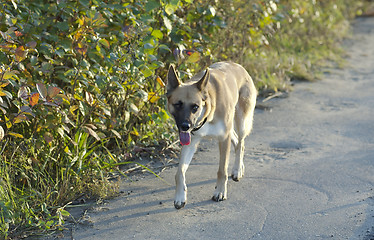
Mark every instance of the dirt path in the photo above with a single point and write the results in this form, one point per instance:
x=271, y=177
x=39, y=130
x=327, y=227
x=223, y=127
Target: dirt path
x=309, y=171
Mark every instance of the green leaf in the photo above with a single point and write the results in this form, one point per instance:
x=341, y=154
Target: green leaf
x=63, y=26
x=194, y=57
x=66, y=44
x=151, y=5
x=42, y=90
x=104, y=42
x=157, y=34
x=148, y=46
x=164, y=48
x=65, y=213
x=164, y=116
x=9, y=74
x=147, y=72
x=33, y=60
x=171, y=7
x=60, y=52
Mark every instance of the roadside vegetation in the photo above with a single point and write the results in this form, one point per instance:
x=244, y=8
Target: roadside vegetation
x=82, y=90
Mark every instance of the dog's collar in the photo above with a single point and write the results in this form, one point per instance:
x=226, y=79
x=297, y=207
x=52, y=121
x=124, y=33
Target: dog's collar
x=200, y=126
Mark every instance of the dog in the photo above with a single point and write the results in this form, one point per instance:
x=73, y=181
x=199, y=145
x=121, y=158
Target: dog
x=218, y=102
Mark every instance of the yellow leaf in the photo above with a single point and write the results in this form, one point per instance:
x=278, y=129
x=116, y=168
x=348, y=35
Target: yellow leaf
x=2, y=93
x=8, y=75
x=67, y=150
x=134, y=132
x=38, y=128
x=81, y=21
x=152, y=97
x=15, y=134
x=19, y=118
x=159, y=80
x=76, y=96
x=7, y=122
x=4, y=84
x=73, y=108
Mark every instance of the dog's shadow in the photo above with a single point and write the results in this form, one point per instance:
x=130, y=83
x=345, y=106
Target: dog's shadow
x=142, y=202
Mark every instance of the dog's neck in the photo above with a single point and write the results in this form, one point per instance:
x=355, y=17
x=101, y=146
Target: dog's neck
x=200, y=126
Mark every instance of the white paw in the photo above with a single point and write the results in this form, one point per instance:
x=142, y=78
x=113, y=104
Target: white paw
x=180, y=200
x=219, y=195
x=237, y=173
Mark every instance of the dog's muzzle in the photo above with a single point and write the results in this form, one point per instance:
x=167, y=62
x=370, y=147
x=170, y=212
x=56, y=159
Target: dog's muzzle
x=185, y=126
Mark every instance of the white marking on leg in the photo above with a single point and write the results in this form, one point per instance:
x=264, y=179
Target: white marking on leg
x=187, y=153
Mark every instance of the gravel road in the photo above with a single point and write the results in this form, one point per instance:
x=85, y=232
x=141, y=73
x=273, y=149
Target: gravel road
x=309, y=171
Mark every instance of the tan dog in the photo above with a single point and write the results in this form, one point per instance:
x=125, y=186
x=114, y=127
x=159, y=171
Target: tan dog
x=218, y=102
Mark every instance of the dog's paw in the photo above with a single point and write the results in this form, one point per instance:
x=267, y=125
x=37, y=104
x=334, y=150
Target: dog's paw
x=179, y=205
x=219, y=196
x=180, y=199
x=235, y=177
x=237, y=174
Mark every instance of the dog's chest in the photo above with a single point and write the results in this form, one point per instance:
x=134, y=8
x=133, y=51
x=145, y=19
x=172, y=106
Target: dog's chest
x=216, y=129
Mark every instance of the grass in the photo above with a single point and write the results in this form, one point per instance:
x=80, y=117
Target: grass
x=292, y=43
x=33, y=195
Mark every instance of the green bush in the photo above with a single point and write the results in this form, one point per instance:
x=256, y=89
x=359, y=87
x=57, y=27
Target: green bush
x=80, y=83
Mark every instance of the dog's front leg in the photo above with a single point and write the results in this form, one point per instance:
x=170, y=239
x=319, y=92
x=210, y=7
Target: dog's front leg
x=187, y=153
x=220, y=193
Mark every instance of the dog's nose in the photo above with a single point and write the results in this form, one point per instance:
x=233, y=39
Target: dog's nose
x=185, y=126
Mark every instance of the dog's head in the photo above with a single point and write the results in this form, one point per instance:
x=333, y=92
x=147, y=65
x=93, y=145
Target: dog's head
x=186, y=103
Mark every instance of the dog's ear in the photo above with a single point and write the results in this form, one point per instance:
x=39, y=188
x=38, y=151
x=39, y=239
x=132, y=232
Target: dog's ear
x=201, y=84
x=172, y=80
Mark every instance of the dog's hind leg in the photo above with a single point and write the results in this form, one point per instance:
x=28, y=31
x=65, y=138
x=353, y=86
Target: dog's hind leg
x=238, y=169
x=187, y=153
x=244, y=129
x=243, y=126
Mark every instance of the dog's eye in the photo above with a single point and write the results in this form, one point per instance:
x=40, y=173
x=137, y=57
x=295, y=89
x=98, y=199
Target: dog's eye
x=178, y=105
x=194, y=108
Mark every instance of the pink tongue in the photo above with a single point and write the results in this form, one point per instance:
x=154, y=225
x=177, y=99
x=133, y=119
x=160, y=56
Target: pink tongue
x=185, y=138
